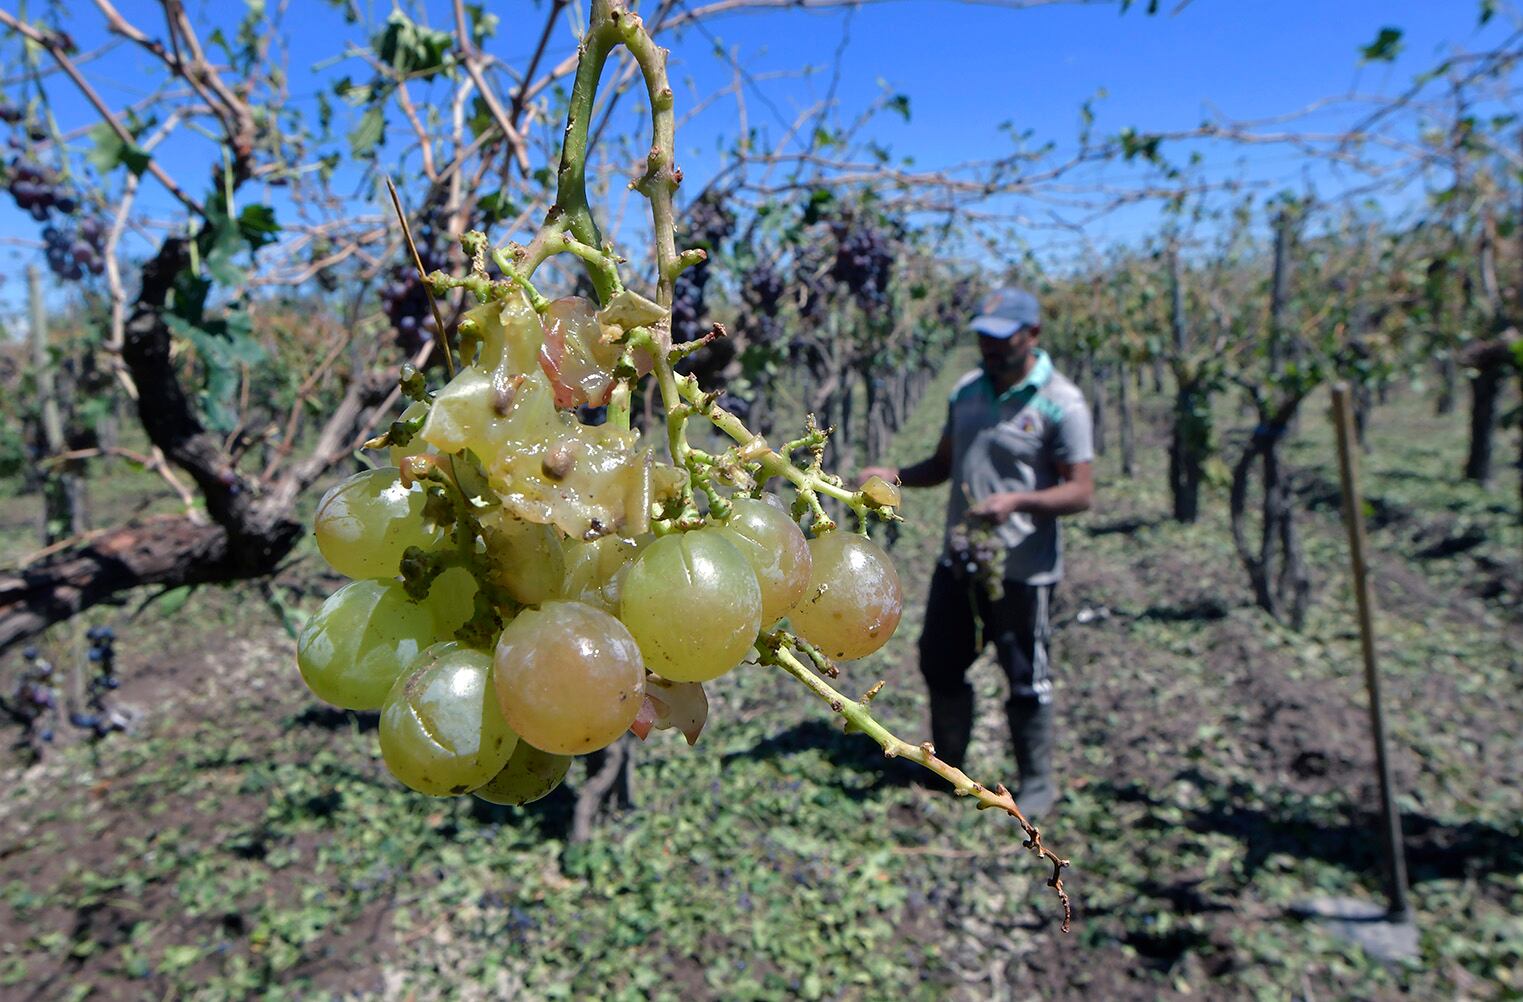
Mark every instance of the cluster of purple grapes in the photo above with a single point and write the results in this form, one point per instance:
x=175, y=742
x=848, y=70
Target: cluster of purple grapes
x=761, y=290
x=36, y=190
x=864, y=260
x=74, y=249
x=406, y=306
x=403, y=297
x=72, y=255
x=707, y=225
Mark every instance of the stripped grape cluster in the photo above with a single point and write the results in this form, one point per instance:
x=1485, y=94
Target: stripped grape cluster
x=528, y=587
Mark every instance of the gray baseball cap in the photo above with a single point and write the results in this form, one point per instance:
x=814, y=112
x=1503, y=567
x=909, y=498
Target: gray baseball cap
x=1007, y=311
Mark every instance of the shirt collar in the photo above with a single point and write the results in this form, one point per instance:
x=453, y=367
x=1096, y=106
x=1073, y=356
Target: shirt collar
x=1037, y=378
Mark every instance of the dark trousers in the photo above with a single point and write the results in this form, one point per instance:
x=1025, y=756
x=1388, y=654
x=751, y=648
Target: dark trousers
x=1019, y=627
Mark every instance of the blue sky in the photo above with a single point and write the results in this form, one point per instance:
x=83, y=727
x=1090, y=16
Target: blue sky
x=965, y=68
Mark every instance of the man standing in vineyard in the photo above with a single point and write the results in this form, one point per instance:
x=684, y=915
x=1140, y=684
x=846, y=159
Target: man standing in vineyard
x=1017, y=449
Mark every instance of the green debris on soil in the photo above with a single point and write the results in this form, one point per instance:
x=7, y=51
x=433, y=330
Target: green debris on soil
x=1216, y=768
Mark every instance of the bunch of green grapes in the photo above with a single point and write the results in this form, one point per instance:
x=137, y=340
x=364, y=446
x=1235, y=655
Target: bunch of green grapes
x=528, y=587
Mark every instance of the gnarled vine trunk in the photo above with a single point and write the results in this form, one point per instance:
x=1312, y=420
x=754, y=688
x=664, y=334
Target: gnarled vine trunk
x=251, y=525
x=1275, y=566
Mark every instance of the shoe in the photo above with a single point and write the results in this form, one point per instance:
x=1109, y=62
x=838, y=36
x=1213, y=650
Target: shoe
x=1031, y=732
x=952, y=725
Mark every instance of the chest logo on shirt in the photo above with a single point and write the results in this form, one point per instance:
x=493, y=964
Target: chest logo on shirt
x=1025, y=423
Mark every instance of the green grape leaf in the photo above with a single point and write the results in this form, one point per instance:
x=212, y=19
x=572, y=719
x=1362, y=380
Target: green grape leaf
x=413, y=49
x=169, y=600
x=1384, y=49
x=112, y=151
x=257, y=225
x=369, y=133
x=496, y=206
x=483, y=24
x=225, y=346
x=1135, y=144
x=481, y=117
x=225, y=242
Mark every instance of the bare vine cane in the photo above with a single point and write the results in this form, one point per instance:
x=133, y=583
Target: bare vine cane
x=640, y=327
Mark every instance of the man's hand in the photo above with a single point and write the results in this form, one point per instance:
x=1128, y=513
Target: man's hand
x=998, y=507
x=889, y=474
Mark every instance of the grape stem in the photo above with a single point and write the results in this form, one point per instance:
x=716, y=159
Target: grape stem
x=810, y=482
x=773, y=650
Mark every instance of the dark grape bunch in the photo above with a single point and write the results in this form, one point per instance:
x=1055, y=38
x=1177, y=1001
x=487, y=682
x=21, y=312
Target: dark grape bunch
x=74, y=248
x=98, y=716
x=708, y=224
x=761, y=289
x=72, y=255
x=402, y=295
x=978, y=557
x=864, y=260
x=37, y=190
x=406, y=305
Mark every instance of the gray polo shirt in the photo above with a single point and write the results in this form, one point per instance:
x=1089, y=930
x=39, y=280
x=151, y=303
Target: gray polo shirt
x=1013, y=442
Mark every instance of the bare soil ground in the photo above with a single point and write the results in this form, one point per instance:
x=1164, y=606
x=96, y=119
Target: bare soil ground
x=1217, y=767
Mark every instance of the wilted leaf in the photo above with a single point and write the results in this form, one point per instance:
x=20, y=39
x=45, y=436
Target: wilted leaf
x=682, y=705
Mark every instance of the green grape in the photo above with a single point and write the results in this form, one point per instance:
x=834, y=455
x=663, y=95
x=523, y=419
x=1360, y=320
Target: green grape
x=365, y=523
x=777, y=551
x=595, y=571
x=526, y=559
x=452, y=600
x=569, y=677
x=854, y=600
x=358, y=644
x=529, y=775
x=442, y=732
x=692, y=603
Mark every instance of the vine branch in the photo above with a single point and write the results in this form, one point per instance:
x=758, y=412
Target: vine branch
x=774, y=651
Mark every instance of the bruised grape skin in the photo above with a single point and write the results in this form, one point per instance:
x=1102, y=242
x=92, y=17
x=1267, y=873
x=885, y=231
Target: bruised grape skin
x=442, y=732
x=692, y=602
x=364, y=524
x=355, y=647
x=854, y=600
x=529, y=775
x=569, y=678
x=777, y=551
